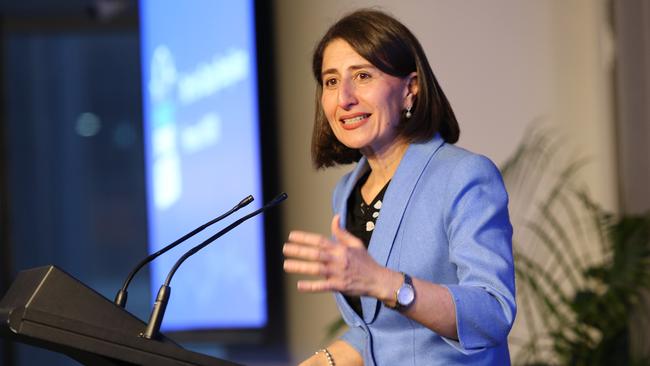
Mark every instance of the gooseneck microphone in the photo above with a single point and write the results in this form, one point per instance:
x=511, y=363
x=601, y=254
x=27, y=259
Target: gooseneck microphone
x=122, y=294
x=158, y=312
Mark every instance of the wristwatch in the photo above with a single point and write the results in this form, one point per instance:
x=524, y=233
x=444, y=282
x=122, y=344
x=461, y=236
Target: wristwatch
x=405, y=295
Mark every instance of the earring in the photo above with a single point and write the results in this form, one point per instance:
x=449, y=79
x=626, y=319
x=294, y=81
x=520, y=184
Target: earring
x=408, y=109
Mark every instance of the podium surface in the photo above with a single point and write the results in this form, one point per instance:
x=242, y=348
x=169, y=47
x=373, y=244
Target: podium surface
x=48, y=308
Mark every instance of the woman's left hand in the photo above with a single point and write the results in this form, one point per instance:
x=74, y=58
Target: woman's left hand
x=343, y=264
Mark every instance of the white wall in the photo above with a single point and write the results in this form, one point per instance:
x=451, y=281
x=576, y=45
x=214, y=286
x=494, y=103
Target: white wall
x=502, y=63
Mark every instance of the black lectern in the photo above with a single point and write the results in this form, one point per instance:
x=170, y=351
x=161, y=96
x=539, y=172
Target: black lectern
x=48, y=308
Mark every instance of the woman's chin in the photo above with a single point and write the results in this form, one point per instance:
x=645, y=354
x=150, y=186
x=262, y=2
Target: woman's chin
x=356, y=145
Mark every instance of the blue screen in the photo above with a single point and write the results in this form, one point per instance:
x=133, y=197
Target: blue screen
x=202, y=157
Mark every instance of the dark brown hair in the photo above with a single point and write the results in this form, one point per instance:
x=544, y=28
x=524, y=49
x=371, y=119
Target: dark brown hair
x=393, y=49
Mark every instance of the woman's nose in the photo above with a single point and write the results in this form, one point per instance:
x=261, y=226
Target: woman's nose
x=347, y=96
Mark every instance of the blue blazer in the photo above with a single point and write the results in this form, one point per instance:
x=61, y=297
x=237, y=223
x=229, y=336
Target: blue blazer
x=444, y=219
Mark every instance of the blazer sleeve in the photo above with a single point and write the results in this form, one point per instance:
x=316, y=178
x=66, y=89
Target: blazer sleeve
x=356, y=338
x=480, y=246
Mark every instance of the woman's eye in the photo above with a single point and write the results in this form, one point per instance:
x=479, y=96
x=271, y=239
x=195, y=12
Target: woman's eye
x=362, y=77
x=330, y=82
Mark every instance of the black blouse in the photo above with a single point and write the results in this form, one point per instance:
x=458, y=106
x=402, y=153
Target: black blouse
x=360, y=222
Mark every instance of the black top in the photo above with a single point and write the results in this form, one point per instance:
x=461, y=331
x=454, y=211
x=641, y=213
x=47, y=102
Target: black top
x=360, y=222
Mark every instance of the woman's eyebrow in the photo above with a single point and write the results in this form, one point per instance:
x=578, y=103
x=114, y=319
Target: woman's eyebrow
x=352, y=67
x=328, y=71
x=362, y=66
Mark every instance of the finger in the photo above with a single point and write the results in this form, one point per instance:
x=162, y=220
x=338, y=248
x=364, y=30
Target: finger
x=303, y=237
x=314, y=286
x=336, y=223
x=342, y=235
x=305, y=252
x=305, y=267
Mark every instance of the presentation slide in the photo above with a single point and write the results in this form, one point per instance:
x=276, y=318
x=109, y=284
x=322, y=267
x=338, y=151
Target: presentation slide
x=202, y=152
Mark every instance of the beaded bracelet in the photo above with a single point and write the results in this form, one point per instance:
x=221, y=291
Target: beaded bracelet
x=330, y=360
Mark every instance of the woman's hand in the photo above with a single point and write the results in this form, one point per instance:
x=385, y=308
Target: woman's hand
x=343, y=264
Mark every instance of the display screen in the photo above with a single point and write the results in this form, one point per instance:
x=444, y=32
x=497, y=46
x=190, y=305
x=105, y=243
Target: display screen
x=202, y=153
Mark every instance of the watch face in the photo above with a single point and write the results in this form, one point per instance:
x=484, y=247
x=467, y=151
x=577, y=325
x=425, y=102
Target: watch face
x=405, y=295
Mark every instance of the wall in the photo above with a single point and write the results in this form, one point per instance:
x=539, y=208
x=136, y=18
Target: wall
x=504, y=64
x=633, y=110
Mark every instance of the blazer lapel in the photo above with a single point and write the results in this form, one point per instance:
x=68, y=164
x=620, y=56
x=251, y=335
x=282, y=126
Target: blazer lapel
x=342, y=206
x=395, y=201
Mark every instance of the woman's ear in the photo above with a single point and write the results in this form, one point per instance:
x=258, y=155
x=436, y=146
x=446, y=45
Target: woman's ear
x=413, y=84
x=411, y=90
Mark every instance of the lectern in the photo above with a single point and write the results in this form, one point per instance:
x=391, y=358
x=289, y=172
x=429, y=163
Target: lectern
x=49, y=308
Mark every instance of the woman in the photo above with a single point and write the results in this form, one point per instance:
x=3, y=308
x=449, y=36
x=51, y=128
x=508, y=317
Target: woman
x=420, y=256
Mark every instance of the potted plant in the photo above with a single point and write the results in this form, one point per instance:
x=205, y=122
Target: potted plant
x=581, y=271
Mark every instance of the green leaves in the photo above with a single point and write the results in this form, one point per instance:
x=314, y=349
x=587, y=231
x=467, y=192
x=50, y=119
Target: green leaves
x=581, y=271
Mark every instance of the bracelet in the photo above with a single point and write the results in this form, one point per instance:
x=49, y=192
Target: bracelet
x=330, y=360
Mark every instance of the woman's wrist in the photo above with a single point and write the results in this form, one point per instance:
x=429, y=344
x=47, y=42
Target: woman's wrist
x=387, y=283
x=327, y=355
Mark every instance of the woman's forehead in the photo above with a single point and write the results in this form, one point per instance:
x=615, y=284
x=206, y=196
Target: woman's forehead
x=339, y=56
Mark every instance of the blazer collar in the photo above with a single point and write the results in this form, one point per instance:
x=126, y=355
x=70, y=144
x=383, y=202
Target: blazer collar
x=395, y=201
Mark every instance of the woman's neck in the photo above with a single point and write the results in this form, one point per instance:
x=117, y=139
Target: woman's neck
x=383, y=165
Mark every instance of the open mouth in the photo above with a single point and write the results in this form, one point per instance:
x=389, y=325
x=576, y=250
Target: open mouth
x=355, y=121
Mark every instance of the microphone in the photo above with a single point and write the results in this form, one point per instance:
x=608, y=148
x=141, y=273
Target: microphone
x=122, y=294
x=158, y=312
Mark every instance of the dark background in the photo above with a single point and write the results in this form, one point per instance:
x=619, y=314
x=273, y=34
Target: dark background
x=71, y=154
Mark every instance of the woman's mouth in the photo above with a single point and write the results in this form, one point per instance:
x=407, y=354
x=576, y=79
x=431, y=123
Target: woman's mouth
x=354, y=122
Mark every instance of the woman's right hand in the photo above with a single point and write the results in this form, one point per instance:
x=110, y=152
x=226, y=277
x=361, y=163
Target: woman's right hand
x=343, y=264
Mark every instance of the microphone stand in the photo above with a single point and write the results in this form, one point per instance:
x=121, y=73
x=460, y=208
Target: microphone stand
x=158, y=312
x=122, y=294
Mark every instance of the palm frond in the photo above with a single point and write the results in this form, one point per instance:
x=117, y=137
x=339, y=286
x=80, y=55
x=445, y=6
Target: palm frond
x=580, y=270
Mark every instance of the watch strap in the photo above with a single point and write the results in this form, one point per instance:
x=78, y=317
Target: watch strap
x=407, y=279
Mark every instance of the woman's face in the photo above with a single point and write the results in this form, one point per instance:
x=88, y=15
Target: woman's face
x=362, y=104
